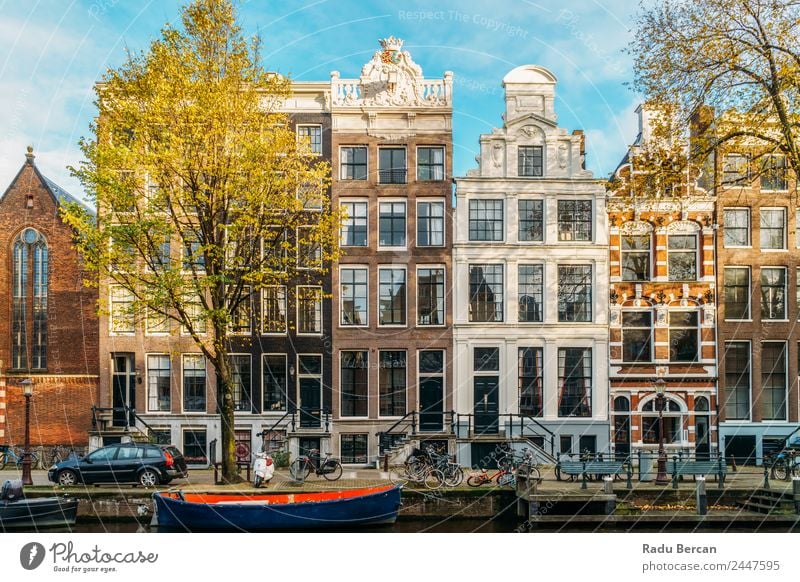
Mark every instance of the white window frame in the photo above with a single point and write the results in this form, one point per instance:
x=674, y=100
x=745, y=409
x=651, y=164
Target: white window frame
x=369, y=382
x=364, y=201
x=749, y=343
x=544, y=220
x=286, y=387
x=147, y=382
x=297, y=249
x=182, y=389
x=786, y=383
x=404, y=202
x=319, y=309
x=341, y=302
x=248, y=291
x=349, y=146
x=148, y=317
x=405, y=392
x=443, y=267
x=380, y=268
x=321, y=136
x=444, y=222
x=111, y=303
x=785, y=246
x=444, y=162
x=389, y=146
x=749, y=227
x=250, y=357
x=785, y=317
x=285, y=311
x=698, y=275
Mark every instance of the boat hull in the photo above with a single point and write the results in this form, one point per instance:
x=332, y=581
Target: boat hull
x=38, y=513
x=324, y=510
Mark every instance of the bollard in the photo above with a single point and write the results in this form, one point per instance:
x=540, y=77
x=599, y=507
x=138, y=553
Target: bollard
x=700, y=496
x=608, y=484
x=796, y=494
x=386, y=463
x=766, y=475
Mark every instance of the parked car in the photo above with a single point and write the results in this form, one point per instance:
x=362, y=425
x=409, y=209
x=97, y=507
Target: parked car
x=144, y=464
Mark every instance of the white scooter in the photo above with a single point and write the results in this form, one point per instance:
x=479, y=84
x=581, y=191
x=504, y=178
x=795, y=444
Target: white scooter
x=263, y=469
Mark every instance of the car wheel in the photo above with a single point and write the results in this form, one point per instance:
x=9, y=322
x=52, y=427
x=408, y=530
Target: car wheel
x=67, y=478
x=149, y=478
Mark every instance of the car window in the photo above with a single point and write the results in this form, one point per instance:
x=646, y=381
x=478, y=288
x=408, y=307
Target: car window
x=173, y=451
x=152, y=454
x=106, y=454
x=129, y=453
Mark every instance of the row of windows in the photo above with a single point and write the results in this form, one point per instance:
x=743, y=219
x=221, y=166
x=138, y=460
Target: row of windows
x=392, y=304
x=739, y=383
x=738, y=288
x=193, y=376
x=487, y=220
x=637, y=336
x=736, y=170
x=273, y=318
x=392, y=164
x=772, y=228
x=636, y=257
x=392, y=224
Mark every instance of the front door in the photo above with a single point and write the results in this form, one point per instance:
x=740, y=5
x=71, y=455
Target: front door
x=486, y=404
x=622, y=436
x=123, y=390
x=431, y=404
x=702, y=446
x=310, y=402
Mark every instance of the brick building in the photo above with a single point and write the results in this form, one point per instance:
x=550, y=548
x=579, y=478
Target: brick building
x=49, y=328
x=392, y=340
x=662, y=313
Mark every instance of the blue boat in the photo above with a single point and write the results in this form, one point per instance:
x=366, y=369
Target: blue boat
x=341, y=509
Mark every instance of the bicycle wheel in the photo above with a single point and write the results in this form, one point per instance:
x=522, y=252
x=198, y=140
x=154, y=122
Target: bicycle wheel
x=476, y=480
x=299, y=470
x=398, y=474
x=454, y=476
x=335, y=472
x=3, y=460
x=780, y=470
x=416, y=472
x=434, y=479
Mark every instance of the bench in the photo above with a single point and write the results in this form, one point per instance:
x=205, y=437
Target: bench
x=239, y=466
x=586, y=468
x=680, y=467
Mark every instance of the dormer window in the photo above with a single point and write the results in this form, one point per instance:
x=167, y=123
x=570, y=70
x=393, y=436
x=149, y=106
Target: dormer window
x=530, y=161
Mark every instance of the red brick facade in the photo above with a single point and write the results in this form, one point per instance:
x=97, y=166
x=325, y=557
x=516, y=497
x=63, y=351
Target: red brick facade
x=66, y=387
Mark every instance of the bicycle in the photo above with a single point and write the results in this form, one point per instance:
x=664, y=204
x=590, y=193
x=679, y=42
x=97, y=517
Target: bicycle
x=9, y=455
x=61, y=453
x=784, y=465
x=302, y=467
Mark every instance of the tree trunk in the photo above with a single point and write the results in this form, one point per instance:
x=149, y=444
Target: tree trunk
x=230, y=472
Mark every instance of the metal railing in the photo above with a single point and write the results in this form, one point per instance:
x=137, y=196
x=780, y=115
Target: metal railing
x=128, y=415
x=393, y=176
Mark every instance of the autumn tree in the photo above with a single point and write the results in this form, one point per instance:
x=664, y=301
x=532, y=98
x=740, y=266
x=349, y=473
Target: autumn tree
x=736, y=60
x=203, y=193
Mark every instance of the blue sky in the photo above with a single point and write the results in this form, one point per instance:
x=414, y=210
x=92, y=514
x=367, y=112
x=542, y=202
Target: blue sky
x=53, y=51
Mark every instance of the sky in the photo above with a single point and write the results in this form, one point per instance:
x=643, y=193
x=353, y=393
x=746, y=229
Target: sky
x=53, y=51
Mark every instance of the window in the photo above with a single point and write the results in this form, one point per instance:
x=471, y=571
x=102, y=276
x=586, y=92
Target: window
x=122, y=319
x=574, y=293
x=736, y=169
x=309, y=310
x=773, y=228
x=737, y=293
x=312, y=134
x=309, y=388
x=430, y=296
x=486, y=293
x=19, y=331
x=486, y=220
x=194, y=312
x=273, y=309
x=29, y=243
x=773, y=381
x=194, y=383
x=353, y=448
x=391, y=165
x=309, y=252
x=637, y=336
x=353, y=284
x=392, y=383
x=242, y=313
x=122, y=257
x=159, y=260
x=430, y=163
x=531, y=220
x=682, y=257
x=575, y=220
x=773, y=293
x=274, y=246
x=530, y=381
x=635, y=257
x=530, y=161
x=773, y=173
x=672, y=421
x=354, y=385
x=531, y=293
x=575, y=382
x=158, y=383
x=683, y=332
x=193, y=256
x=354, y=227
x=430, y=224
x=392, y=224
x=392, y=297
x=274, y=371
x=195, y=447
x=736, y=227
x=737, y=381
x=353, y=165
x=241, y=380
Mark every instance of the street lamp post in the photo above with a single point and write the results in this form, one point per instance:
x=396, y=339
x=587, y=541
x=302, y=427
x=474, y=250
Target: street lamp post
x=660, y=386
x=27, y=391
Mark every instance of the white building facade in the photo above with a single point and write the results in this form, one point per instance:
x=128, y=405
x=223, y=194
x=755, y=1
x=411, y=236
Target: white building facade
x=530, y=289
